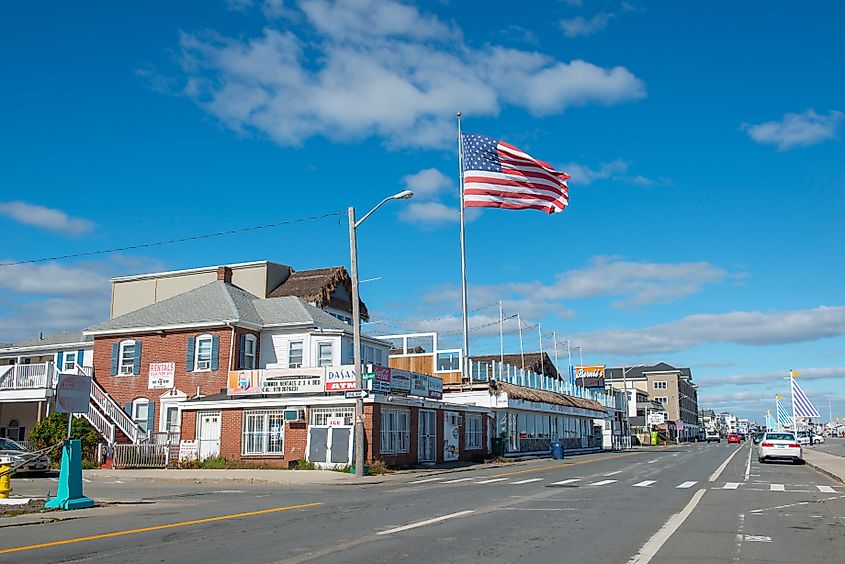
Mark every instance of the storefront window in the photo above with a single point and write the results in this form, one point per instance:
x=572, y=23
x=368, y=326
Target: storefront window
x=263, y=432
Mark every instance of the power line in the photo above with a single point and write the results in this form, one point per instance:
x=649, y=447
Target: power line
x=172, y=241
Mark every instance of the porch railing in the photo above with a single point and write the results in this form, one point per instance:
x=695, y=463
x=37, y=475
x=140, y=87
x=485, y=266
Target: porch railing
x=141, y=456
x=27, y=376
x=114, y=412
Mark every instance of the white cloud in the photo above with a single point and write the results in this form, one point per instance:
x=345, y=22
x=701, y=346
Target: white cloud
x=52, y=279
x=584, y=174
x=429, y=213
x=428, y=183
x=739, y=327
x=773, y=378
x=26, y=320
x=796, y=130
x=580, y=26
x=46, y=218
x=380, y=68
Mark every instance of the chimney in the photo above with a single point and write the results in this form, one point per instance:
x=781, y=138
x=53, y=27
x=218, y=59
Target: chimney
x=224, y=274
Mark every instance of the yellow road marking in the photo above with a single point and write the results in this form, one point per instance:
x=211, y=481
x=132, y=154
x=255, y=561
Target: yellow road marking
x=157, y=528
x=568, y=464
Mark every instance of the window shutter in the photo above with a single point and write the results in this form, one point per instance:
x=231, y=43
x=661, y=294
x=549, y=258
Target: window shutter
x=80, y=357
x=128, y=409
x=189, y=357
x=59, y=361
x=215, y=350
x=151, y=417
x=115, y=353
x=136, y=368
x=242, y=351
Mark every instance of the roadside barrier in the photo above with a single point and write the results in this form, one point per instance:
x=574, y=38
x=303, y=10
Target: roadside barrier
x=141, y=456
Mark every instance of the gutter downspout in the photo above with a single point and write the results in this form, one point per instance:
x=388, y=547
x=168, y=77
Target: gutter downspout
x=231, y=344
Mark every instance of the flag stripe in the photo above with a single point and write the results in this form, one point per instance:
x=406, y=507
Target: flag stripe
x=489, y=198
x=506, y=184
x=803, y=406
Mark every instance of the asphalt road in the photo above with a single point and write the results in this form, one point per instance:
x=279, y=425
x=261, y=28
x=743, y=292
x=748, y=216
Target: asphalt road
x=612, y=507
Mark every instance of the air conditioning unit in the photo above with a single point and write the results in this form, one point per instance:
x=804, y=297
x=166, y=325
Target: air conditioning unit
x=294, y=415
x=203, y=365
x=456, y=420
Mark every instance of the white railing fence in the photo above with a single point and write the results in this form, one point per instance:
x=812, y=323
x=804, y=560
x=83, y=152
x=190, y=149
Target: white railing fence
x=141, y=456
x=100, y=422
x=27, y=376
x=114, y=412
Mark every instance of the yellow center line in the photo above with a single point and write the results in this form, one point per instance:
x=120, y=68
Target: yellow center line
x=157, y=528
x=568, y=464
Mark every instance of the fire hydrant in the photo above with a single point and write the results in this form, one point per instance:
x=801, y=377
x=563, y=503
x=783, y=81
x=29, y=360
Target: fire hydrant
x=5, y=479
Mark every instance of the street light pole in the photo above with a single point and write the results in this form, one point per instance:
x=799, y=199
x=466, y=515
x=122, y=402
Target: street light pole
x=356, y=325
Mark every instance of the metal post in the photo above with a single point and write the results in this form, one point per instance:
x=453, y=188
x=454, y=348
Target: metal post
x=627, y=417
x=465, y=351
x=501, y=337
x=542, y=364
x=356, y=343
x=521, y=349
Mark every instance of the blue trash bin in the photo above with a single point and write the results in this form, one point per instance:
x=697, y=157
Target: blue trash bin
x=557, y=450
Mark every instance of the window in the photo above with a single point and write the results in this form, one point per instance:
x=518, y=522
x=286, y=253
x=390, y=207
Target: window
x=449, y=361
x=473, y=432
x=295, y=354
x=263, y=432
x=203, y=352
x=420, y=344
x=127, y=358
x=70, y=361
x=395, y=437
x=321, y=415
x=662, y=399
x=141, y=412
x=172, y=420
x=324, y=354
x=660, y=385
x=249, y=352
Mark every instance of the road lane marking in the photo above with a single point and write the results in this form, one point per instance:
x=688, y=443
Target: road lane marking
x=715, y=475
x=644, y=484
x=540, y=509
x=748, y=466
x=564, y=482
x=158, y=527
x=659, y=538
x=568, y=464
x=652, y=461
x=603, y=482
x=730, y=486
x=777, y=488
x=528, y=481
x=612, y=473
x=490, y=481
x=426, y=522
x=826, y=489
x=426, y=480
x=780, y=507
x=757, y=538
x=685, y=485
x=458, y=480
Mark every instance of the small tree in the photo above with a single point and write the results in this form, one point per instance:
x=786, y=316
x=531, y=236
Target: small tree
x=53, y=430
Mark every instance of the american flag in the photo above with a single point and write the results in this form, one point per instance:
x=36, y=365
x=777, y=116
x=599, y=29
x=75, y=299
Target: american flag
x=801, y=403
x=498, y=175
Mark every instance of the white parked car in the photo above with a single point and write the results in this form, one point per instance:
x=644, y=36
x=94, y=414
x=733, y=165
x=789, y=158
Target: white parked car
x=807, y=438
x=780, y=446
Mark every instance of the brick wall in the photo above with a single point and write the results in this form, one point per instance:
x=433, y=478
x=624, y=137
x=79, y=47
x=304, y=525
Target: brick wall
x=166, y=347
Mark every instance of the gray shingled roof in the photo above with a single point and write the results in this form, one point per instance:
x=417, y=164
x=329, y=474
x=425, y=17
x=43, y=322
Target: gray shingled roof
x=218, y=302
x=639, y=371
x=215, y=302
x=54, y=339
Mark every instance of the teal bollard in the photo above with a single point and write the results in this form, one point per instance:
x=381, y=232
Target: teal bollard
x=69, y=493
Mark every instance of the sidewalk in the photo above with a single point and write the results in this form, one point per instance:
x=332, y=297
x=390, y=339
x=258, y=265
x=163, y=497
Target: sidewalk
x=830, y=464
x=251, y=476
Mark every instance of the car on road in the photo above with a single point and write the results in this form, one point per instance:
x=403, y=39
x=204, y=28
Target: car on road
x=757, y=437
x=809, y=438
x=780, y=446
x=733, y=438
x=712, y=435
x=17, y=453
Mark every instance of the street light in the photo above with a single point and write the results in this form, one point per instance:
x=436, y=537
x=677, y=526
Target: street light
x=627, y=415
x=356, y=324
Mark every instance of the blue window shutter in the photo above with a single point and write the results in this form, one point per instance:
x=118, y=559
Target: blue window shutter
x=136, y=369
x=151, y=417
x=80, y=356
x=115, y=354
x=241, y=351
x=59, y=365
x=128, y=409
x=189, y=357
x=215, y=352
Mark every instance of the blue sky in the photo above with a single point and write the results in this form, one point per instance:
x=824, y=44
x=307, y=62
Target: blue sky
x=704, y=142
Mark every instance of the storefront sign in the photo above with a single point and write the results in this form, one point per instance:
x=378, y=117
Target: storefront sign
x=187, y=450
x=400, y=380
x=435, y=387
x=336, y=422
x=161, y=375
x=419, y=385
x=292, y=381
x=381, y=379
x=591, y=371
x=244, y=383
x=655, y=418
x=340, y=378
x=73, y=393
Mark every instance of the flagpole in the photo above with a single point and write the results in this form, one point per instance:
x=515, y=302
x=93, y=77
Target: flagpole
x=792, y=395
x=521, y=348
x=465, y=351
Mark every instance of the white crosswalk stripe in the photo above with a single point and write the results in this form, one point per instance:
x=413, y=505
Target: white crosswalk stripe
x=826, y=489
x=777, y=488
x=426, y=481
x=490, y=481
x=613, y=473
x=564, y=482
x=458, y=480
x=685, y=485
x=528, y=481
x=730, y=486
x=603, y=482
x=645, y=484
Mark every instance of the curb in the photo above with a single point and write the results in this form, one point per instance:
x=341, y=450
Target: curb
x=824, y=471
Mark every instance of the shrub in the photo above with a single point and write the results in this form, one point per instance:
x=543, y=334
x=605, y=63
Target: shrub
x=53, y=430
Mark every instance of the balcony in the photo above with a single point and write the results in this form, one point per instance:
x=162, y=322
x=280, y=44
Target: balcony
x=27, y=382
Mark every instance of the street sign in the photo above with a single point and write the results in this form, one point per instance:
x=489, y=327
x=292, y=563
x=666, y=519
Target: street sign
x=356, y=394
x=73, y=393
x=369, y=375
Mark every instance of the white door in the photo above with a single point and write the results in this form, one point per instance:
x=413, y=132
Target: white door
x=208, y=434
x=428, y=439
x=451, y=432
